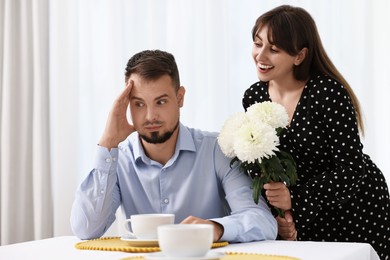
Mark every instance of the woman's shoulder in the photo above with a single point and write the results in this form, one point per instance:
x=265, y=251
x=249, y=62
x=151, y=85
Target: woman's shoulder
x=257, y=86
x=325, y=82
x=257, y=92
x=325, y=90
x=325, y=85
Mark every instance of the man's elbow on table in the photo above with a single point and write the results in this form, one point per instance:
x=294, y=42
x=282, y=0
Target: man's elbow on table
x=82, y=229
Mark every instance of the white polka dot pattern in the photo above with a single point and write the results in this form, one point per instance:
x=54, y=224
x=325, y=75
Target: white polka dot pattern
x=340, y=194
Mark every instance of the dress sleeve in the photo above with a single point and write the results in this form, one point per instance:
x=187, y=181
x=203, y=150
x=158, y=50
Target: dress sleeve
x=245, y=101
x=335, y=184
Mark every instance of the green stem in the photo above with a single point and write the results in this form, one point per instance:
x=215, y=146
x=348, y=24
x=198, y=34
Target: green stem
x=280, y=212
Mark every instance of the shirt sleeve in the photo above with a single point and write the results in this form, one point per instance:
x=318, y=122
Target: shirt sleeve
x=97, y=198
x=248, y=221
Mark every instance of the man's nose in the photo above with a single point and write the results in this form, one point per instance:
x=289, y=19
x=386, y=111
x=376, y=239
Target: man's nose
x=151, y=114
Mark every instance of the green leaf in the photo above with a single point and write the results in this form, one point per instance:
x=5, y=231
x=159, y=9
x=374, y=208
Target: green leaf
x=284, y=178
x=292, y=174
x=290, y=167
x=274, y=168
x=256, y=189
x=279, y=130
x=263, y=180
x=285, y=155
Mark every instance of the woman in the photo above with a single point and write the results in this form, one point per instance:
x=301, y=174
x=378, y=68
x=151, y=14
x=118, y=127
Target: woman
x=340, y=194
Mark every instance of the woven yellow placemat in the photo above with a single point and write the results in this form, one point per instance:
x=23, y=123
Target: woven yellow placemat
x=116, y=244
x=253, y=256
x=240, y=256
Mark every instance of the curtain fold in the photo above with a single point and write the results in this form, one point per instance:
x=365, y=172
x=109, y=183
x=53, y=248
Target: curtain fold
x=26, y=200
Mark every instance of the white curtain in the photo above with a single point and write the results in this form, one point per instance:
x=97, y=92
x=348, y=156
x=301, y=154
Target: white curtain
x=26, y=196
x=81, y=68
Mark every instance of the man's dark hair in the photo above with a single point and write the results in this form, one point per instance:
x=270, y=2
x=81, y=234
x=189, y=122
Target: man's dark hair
x=152, y=64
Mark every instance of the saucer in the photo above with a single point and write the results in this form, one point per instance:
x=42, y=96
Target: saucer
x=160, y=256
x=136, y=242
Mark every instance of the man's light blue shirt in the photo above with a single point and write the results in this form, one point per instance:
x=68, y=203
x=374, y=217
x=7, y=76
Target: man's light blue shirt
x=197, y=181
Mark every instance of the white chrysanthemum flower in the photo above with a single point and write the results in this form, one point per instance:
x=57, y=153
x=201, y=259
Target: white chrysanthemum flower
x=228, y=133
x=255, y=140
x=270, y=113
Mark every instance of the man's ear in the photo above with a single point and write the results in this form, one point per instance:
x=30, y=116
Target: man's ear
x=180, y=95
x=301, y=56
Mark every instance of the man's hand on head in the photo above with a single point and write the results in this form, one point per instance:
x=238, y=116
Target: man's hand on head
x=118, y=127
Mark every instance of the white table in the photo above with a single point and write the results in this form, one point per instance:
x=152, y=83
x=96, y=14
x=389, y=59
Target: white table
x=64, y=248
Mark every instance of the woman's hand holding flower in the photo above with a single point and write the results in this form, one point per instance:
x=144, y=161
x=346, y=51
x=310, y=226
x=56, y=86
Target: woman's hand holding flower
x=278, y=195
x=252, y=139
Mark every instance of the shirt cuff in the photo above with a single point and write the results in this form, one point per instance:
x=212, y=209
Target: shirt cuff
x=104, y=159
x=229, y=231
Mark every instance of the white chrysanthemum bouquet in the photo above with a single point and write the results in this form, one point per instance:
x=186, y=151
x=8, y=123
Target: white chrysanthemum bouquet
x=252, y=138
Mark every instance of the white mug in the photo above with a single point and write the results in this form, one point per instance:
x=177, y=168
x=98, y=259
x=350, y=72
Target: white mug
x=185, y=240
x=144, y=226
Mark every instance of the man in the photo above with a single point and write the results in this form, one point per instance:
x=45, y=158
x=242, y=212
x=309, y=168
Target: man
x=157, y=165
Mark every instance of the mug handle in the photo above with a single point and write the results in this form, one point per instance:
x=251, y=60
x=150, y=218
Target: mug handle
x=126, y=226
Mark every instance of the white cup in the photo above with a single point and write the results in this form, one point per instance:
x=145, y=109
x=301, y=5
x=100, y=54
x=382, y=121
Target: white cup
x=144, y=226
x=185, y=240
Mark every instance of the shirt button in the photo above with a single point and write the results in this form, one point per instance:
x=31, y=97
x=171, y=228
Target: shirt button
x=108, y=160
x=101, y=191
x=166, y=201
x=114, y=159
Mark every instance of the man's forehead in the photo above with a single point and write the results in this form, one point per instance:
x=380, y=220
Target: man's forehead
x=151, y=88
x=166, y=79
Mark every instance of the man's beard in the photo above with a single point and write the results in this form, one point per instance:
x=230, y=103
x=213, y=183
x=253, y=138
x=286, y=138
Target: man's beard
x=159, y=139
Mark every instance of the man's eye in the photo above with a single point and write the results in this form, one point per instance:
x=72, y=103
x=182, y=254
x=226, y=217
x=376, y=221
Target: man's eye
x=139, y=104
x=161, y=102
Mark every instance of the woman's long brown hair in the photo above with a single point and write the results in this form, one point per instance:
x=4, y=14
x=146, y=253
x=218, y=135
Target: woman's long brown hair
x=292, y=29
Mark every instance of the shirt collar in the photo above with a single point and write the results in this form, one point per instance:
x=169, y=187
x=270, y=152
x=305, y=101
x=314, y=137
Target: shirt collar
x=185, y=142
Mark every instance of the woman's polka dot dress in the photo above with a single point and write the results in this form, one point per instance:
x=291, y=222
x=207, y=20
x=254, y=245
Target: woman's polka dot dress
x=340, y=194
